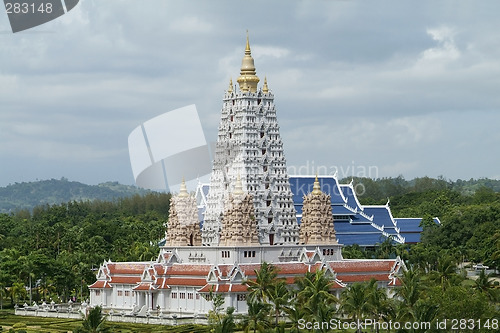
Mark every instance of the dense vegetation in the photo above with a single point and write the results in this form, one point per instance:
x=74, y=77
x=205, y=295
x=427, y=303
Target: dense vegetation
x=28, y=195
x=470, y=229
x=56, y=249
x=440, y=300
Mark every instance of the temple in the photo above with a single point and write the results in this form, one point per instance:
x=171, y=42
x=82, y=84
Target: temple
x=251, y=212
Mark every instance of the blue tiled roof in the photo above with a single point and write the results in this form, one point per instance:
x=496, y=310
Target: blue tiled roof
x=341, y=210
x=301, y=186
x=409, y=224
x=411, y=237
x=341, y=226
x=381, y=214
x=361, y=239
x=350, y=196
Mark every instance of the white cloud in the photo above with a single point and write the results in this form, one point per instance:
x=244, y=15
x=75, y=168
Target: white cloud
x=190, y=24
x=261, y=51
x=445, y=53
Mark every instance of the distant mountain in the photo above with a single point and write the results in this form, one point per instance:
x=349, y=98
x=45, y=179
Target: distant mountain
x=20, y=196
x=383, y=188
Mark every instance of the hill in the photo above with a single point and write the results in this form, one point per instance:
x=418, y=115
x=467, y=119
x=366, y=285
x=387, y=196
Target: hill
x=377, y=191
x=27, y=195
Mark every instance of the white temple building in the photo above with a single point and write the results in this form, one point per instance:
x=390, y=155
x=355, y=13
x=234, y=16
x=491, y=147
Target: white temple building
x=249, y=218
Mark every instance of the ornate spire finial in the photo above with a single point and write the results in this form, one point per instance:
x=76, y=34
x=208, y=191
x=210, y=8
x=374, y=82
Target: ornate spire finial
x=238, y=187
x=247, y=47
x=230, y=88
x=316, y=187
x=247, y=71
x=183, y=190
x=265, y=88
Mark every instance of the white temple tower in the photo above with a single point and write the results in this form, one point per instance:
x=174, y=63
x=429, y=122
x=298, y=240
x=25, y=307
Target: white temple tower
x=249, y=145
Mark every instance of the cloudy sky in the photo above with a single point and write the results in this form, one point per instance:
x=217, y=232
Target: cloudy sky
x=372, y=88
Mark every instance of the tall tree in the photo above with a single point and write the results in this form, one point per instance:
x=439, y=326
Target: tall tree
x=279, y=297
x=314, y=292
x=260, y=289
x=409, y=292
x=354, y=302
x=486, y=285
x=257, y=317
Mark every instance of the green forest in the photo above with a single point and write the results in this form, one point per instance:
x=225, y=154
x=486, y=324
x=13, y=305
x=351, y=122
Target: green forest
x=56, y=250
x=28, y=195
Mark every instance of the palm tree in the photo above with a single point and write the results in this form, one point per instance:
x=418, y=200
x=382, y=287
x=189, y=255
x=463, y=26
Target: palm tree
x=446, y=269
x=385, y=249
x=354, y=302
x=314, y=292
x=485, y=284
x=256, y=318
x=425, y=313
x=94, y=322
x=279, y=296
x=227, y=324
x=295, y=313
x=260, y=289
x=3, y=293
x=409, y=293
x=17, y=291
x=381, y=306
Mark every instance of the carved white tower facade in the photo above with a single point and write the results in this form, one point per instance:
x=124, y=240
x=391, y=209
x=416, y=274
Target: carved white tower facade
x=249, y=146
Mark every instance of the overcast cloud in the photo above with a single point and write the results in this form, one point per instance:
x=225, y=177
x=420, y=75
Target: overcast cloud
x=407, y=88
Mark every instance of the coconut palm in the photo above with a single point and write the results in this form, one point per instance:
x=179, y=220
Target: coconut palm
x=279, y=297
x=227, y=324
x=382, y=308
x=260, y=289
x=257, y=317
x=409, y=293
x=485, y=284
x=314, y=292
x=17, y=292
x=355, y=303
x=295, y=313
x=94, y=322
x=446, y=269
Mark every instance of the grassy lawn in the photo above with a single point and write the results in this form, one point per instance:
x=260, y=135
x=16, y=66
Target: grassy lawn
x=57, y=325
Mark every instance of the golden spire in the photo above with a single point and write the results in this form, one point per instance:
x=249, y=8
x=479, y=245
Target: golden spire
x=265, y=89
x=238, y=187
x=230, y=88
x=248, y=79
x=183, y=190
x=316, y=187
